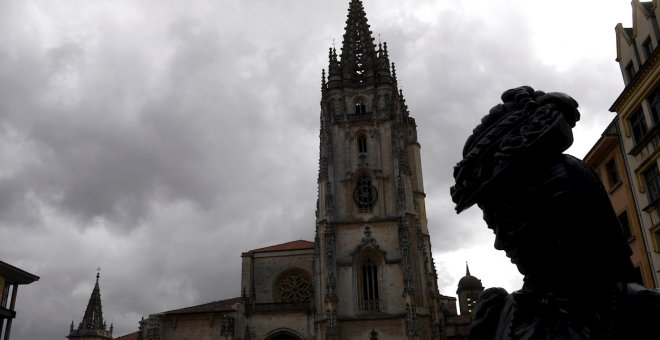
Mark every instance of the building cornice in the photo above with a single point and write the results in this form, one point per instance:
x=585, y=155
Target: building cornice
x=639, y=87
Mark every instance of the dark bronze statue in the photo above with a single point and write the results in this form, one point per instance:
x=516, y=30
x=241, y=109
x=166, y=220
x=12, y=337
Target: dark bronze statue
x=552, y=217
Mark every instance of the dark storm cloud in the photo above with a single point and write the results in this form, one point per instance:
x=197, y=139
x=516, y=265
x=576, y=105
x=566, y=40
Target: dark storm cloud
x=159, y=140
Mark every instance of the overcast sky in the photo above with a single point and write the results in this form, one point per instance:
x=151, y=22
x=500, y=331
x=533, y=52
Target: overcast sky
x=160, y=139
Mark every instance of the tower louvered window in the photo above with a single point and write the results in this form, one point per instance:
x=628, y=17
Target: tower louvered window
x=360, y=108
x=362, y=143
x=369, y=296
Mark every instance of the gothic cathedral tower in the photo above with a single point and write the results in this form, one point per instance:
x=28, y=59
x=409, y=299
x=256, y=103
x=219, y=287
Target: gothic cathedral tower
x=374, y=274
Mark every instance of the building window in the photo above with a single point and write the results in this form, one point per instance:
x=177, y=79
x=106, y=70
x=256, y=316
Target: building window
x=654, y=103
x=227, y=328
x=359, y=106
x=624, y=222
x=362, y=143
x=470, y=303
x=652, y=180
x=656, y=238
x=365, y=194
x=630, y=71
x=368, y=295
x=612, y=174
x=638, y=125
x=5, y=295
x=294, y=286
x=648, y=48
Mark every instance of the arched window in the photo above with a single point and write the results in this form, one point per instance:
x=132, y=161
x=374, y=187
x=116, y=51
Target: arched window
x=368, y=292
x=359, y=106
x=365, y=194
x=362, y=143
x=293, y=286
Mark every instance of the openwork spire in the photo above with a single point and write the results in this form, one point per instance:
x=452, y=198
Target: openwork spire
x=93, y=318
x=92, y=325
x=358, y=52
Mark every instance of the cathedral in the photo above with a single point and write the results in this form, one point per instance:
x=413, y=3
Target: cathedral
x=369, y=272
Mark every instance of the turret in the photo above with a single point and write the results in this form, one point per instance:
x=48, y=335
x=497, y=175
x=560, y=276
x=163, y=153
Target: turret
x=469, y=288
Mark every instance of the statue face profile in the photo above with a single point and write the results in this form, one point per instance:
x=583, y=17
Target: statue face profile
x=530, y=224
x=549, y=211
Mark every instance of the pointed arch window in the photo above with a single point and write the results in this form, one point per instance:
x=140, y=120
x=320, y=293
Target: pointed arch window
x=360, y=108
x=362, y=143
x=368, y=290
x=365, y=194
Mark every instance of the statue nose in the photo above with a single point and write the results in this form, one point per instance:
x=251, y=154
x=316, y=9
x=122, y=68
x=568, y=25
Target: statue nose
x=499, y=244
x=501, y=240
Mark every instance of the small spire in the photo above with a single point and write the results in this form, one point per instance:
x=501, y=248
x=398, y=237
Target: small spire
x=71, y=327
x=385, y=47
x=358, y=53
x=93, y=318
x=467, y=269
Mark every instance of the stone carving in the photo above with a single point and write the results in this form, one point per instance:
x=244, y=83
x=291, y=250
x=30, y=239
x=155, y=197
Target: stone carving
x=331, y=325
x=294, y=287
x=331, y=265
x=411, y=320
x=368, y=241
x=552, y=217
x=404, y=244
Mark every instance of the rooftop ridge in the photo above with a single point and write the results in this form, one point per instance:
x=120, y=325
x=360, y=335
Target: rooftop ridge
x=291, y=245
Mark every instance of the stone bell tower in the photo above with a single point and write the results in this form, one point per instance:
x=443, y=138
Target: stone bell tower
x=374, y=274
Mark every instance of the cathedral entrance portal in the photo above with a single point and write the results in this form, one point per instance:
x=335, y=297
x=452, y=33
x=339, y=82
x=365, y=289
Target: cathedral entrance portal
x=283, y=334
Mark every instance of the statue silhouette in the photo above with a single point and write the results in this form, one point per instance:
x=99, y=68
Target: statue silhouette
x=552, y=217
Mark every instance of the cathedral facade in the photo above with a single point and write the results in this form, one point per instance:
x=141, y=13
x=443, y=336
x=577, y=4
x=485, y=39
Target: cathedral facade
x=369, y=273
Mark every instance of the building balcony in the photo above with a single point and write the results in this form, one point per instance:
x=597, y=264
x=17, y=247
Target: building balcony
x=6, y=313
x=647, y=145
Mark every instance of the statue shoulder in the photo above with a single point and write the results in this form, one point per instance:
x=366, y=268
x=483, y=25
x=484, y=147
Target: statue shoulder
x=644, y=301
x=487, y=312
x=638, y=311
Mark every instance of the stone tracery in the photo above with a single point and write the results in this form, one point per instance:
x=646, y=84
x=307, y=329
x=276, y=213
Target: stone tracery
x=294, y=287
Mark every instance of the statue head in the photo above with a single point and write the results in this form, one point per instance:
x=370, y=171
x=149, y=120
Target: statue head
x=549, y=211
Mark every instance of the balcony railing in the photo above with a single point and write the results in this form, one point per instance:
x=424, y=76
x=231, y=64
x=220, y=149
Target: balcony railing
x=371, y=305
x=648, y=144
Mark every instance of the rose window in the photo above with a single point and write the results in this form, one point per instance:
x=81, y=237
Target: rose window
x=295, y=288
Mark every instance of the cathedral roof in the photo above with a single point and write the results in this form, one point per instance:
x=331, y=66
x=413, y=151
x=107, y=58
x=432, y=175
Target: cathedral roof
x=131, y=336
x=216, y=306
x=293, y=245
